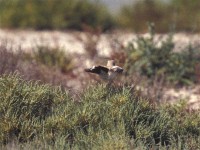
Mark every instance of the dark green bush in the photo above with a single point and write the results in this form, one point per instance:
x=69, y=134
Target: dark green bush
x=23, y=106
x=182, y=66
x=179, y=15
x=51, y=14
x=155, y=61
x=39, y=116
x=137, y=15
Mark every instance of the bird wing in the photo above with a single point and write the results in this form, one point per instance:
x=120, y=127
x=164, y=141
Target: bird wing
x=97, y=69
x=116, y=69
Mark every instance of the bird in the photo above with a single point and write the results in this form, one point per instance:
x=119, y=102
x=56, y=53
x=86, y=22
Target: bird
x=108, y=73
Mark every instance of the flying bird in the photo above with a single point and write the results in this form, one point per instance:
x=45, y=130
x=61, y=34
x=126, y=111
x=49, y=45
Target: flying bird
x=108, y=73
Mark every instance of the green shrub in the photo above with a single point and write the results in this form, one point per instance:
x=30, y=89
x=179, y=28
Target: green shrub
x=51, y=14
x=137, y=15
x=43, y=117
x=183, y=15
x=182, y=66
x=155, y=61
x=53, y=57
x=23, y=106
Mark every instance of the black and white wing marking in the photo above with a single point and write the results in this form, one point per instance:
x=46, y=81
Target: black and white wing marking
x=98, y=70
x=116, y=69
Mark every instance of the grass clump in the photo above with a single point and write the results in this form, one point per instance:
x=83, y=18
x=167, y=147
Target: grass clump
x=10, y=60
x=45, y=117
x=158, y=60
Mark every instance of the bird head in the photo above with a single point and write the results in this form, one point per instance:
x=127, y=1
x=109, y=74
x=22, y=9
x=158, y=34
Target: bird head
x=110, y=63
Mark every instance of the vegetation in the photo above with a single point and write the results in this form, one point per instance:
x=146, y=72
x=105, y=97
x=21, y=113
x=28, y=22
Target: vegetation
x=137, y=16
x=48, y=65
x=156, y=59
x=177, y=15
x=34, y=115
x=51, y=14
x=78, y=15
x=41, y=116
x=54, y=58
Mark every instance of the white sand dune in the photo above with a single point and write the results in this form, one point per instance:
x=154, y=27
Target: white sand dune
x=73, y=42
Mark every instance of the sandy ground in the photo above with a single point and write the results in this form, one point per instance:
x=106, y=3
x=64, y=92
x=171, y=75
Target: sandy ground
x=73, y=42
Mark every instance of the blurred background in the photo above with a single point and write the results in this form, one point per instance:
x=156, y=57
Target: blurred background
x=155, y=41
x=176, y=15
x=48, y=101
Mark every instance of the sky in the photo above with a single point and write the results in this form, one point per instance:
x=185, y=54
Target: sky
x=114, y=5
